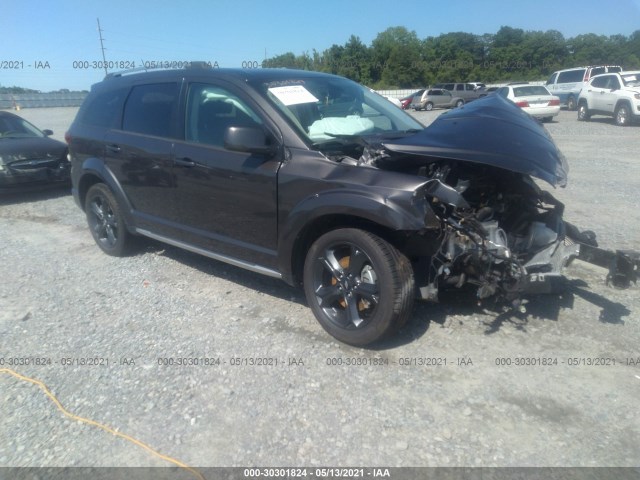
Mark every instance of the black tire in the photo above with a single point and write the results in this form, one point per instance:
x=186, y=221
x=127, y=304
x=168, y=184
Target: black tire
x=459, y=103
x=359, y=287
x=546, y=119
x=428, y=106
x=105, y=221
x=571, y=103
x=583, y=112
x=622, y=115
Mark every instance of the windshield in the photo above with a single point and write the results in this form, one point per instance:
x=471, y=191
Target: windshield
x=16, y=127
x=324, y=108
x=631, y=79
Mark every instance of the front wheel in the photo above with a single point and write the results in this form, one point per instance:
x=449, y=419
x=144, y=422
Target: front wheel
x=429, y=106
x=359, y=287
x=459, y=103
x=621, y=115
x=105, y=220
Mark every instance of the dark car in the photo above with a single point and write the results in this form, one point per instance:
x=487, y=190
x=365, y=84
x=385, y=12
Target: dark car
x=315, y=180
x=28, y=156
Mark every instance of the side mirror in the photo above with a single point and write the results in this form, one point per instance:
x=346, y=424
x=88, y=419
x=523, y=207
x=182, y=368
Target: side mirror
x=47, y=132
x=248, y=139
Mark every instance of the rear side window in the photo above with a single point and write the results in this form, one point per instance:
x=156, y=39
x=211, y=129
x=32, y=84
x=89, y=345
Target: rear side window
x=600, y=82
x=571, y=76
x=104, y=109
x=149, y=109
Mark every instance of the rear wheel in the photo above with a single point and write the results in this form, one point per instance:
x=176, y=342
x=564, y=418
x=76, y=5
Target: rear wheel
x=105, y=220
x=359, y=287
x=571, y=103
x=621, y=115
x=583, y=112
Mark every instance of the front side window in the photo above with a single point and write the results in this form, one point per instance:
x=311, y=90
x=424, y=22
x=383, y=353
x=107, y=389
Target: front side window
x=211, y=110
x=149, y=109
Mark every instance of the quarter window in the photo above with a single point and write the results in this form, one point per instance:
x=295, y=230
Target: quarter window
x=105, y=109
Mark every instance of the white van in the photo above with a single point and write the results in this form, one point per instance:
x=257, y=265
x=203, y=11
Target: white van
x=566, y=84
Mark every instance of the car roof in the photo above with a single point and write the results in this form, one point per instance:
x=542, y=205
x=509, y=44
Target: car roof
x=242, y=74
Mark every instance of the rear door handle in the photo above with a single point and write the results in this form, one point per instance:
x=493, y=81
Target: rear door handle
x=185, y=162
x=113, y=148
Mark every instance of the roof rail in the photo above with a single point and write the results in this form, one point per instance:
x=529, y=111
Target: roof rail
x=146, y=66
x=126, y=72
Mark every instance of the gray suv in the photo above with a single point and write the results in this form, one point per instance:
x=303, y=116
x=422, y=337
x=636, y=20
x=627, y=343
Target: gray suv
x=465, y=91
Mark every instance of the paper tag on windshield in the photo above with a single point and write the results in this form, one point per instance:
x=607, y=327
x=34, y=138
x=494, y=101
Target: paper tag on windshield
x=293, y=95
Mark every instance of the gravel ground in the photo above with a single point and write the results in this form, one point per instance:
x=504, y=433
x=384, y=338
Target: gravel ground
x=433, y=396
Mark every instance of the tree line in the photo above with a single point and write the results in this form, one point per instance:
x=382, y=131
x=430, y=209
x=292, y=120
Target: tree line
x=397, y=58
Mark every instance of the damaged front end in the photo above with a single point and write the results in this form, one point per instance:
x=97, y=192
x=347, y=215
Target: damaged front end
x=495, y=228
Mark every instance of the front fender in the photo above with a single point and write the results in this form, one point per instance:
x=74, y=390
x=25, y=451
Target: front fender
x=399, y=210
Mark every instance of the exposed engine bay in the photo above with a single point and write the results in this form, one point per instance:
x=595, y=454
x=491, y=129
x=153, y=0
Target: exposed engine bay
x=487, y=222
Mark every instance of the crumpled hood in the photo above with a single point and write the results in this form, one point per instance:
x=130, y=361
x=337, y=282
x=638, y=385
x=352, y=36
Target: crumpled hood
x=491, y=131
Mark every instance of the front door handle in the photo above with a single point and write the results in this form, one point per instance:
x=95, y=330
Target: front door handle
x=185, y=162
x=113, y=148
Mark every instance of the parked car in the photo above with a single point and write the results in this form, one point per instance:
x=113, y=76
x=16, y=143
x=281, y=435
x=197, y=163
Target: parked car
x=466, y=91
x=315, y=180
x=533, y=99
x=411, y=99
x=438, y=98
x=613, y=94
x=28, y=157
x=566, y=84
x=394, y=100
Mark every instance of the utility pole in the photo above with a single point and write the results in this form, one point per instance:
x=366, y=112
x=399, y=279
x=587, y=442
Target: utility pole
x=104, y=60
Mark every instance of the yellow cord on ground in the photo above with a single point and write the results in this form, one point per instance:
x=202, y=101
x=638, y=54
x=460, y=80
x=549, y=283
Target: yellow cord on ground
x=106, y=428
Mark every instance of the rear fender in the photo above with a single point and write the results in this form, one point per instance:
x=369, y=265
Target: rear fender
x=96, y=168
